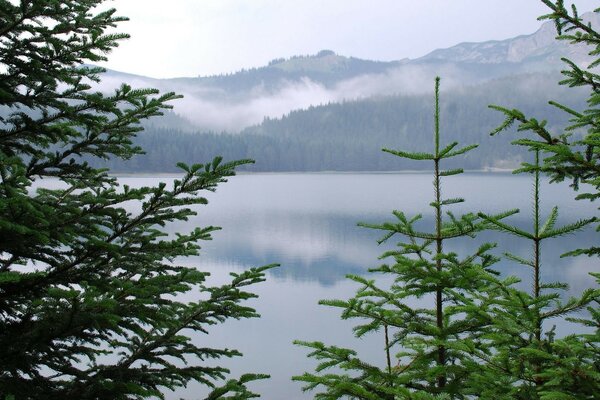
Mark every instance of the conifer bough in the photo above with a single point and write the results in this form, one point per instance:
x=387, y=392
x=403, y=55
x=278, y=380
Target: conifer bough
x=89, y=291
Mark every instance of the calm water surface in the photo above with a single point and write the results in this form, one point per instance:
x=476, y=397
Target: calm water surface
x=307, y=223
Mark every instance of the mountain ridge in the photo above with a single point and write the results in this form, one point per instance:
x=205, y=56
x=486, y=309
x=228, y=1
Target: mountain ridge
x=231, y=102
x=541, y=43
x=516, y=49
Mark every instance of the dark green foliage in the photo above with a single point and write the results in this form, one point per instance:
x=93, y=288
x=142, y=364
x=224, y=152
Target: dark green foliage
x=425, y=313
x=91, y=301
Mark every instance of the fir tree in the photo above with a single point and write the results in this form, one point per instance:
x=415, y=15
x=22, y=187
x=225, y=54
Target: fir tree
x=527, y=362
x=425, y=356
x=90, y=303
x=517, y=352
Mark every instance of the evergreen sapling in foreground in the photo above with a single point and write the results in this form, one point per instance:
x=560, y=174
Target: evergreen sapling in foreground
x=424, y=313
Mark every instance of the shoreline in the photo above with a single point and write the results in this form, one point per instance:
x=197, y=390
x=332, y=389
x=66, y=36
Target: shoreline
x=398, y=172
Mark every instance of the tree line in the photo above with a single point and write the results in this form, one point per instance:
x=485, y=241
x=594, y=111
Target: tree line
x=348, y=136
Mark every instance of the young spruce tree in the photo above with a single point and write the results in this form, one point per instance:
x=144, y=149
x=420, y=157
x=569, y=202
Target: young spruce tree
x=532, y=363
x=520, y=347
x=89, y=291
x=424, y=354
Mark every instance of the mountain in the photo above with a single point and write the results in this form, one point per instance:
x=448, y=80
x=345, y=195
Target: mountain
x=235, y=101
x=326, y=67
x=539, y=50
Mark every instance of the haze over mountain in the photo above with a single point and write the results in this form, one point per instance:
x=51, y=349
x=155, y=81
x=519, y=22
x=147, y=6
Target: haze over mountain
x=328, y=112
x=234, y=101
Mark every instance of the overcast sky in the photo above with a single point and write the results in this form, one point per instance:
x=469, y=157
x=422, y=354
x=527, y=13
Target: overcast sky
x=204, y=37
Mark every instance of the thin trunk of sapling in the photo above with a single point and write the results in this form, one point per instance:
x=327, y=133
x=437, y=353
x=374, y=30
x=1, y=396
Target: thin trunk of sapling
x=387, y=351
x=441, y=356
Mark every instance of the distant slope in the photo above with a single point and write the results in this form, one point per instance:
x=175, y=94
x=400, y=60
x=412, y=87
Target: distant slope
x=349, y=136
x=326, y=68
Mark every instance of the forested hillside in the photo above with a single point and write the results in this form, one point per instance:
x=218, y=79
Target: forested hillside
x=232, y=102
x=349, y=136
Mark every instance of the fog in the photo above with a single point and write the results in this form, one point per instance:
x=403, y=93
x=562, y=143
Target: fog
x=213, y=109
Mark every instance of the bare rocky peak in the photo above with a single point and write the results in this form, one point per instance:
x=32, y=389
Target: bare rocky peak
x=540, y=46
x=537, y=43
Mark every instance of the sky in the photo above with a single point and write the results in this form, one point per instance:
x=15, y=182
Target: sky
x=206, y=37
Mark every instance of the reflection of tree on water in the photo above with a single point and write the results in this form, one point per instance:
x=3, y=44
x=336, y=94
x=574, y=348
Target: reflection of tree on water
x=324, y=247
x=327, y=272
x=309, y=247
x=307, y=222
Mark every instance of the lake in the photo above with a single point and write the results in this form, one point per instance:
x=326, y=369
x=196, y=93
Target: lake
x=307, y=223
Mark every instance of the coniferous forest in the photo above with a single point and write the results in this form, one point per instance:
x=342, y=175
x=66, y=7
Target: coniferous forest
x=348, y=136
x=99, y=300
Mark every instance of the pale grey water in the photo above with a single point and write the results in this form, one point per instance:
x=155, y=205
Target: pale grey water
x=307, y=223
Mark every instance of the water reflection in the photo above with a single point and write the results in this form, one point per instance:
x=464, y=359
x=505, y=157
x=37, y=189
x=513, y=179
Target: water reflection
x=307, y=223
